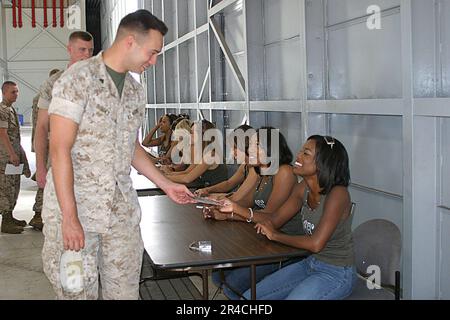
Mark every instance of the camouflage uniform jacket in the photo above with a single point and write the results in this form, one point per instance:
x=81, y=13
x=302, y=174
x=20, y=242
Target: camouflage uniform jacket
x=10, y=121
x=45, y=91
x=34, y=116
x=104, y=147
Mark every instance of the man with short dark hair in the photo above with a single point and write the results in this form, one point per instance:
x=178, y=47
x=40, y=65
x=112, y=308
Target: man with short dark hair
x=11, y=152
x=89, y=200
x=80, y=47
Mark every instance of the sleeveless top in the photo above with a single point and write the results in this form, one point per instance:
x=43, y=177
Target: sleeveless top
x=163, y=149
x=212, y=177
x=339, y=248
x=262, y=193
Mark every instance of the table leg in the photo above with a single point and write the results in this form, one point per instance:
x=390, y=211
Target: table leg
x=205, y=284
x=253, y=275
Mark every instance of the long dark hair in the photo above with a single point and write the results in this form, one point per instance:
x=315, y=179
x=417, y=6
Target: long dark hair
x=244, y=128
x=284, y=152
x=206, y=125
x=332, y=163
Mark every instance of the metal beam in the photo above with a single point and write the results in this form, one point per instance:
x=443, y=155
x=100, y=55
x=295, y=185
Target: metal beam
x=220, y=6
x=363, y=19
x=393, y=107
x=374, y=190
x=276, y=106
x=432, y=107
x=204, y=85
x=408, y=255
x=304, y=85
x=228, y=56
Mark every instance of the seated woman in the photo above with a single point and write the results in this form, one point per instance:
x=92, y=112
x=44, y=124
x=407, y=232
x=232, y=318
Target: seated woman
x=221, y=189
x=258, y=196
x=325, y=207
x=202, y=173
x=164, y=141
x=180, y=128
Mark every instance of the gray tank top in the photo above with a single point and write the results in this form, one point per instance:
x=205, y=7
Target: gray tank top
x=212, y=177
x=262, y=193
x=163, y=149
x=339, y=248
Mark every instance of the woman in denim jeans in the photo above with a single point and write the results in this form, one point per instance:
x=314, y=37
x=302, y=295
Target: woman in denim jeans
x=325, y=207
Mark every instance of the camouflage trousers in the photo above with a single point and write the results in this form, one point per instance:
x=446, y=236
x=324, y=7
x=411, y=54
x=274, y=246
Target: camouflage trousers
x=9, y=192
x=38, y=201
x=115, y=256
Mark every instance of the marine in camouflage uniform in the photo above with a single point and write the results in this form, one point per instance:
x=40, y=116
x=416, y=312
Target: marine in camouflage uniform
x=37, y=207
x=42, y=101
x=107, y=204
x=34, y=114
x=96, y=209
x=10, y=184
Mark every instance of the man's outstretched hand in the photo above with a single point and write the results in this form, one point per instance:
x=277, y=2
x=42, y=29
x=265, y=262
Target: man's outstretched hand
x=179, y=193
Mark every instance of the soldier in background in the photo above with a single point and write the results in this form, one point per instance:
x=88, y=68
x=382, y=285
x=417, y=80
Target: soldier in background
x=11, y=152
x=80, y=47
x=36, y=221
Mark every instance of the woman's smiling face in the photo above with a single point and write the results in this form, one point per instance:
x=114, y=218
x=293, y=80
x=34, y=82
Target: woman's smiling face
x=305, y=164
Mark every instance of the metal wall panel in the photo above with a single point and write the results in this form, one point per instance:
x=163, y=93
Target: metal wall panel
x=316, y=124
x=170, y=19
x=258, y=119
x=30, y=53
x=256, y=50
x=315, y=49
x=366, y=64
x=150, y=84
x=187, y=72
x=371, y=205
x=281, y=20
x=444, y=263
x=201, y=7
x=158, y=8
x=374, y=146
x=234, y=35
x=290, y=126
x=159, y=79
x=203, y=66
x=171, y=76
x=445, y=166
x=424, y=48
x=284, y=76
x=445, y=47
x=344, y=10
x=150, y=120
x=186, y=16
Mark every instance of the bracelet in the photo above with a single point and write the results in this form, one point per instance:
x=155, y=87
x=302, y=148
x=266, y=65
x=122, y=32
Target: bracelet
x=249, y=220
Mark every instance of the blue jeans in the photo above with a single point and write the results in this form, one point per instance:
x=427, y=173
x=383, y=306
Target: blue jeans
x=240, y=278
x=309, y=279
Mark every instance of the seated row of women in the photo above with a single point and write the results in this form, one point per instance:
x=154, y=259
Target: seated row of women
x=314, y=214
x=311, y=213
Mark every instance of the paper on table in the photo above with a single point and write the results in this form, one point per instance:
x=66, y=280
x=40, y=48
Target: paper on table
x=12, y=170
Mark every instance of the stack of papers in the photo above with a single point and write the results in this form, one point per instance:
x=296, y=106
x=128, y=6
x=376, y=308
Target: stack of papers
x=11, y=170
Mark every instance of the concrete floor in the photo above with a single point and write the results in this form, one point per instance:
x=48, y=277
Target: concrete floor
x=21, y=274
